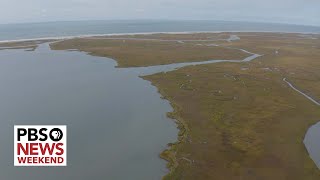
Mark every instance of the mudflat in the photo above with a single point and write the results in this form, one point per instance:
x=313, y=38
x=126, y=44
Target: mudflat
x=30, y=44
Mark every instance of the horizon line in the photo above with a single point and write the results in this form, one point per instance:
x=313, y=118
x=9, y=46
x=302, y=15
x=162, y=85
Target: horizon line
x=217, y=20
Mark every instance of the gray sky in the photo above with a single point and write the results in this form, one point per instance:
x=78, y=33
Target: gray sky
x=286, y=11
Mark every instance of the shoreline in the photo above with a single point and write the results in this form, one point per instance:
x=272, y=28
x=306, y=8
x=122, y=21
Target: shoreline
x=169, y=153
x=148, y=33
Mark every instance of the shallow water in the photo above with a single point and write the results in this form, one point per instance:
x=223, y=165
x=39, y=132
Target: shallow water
x=312, y=143
x=117, y=123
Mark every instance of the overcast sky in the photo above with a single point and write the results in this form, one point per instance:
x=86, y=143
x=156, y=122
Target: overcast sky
x=286, y=11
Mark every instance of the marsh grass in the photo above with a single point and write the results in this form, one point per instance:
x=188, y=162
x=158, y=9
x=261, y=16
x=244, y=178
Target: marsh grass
x=236, y=120
x=135, y=53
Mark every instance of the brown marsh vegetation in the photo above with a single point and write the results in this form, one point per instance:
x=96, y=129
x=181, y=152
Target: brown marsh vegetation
x=236, y=120
x=133, y=53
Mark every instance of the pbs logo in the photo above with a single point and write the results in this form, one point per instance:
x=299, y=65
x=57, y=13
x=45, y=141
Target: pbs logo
x=40, y=145
x=56, y=134
x=40, y=133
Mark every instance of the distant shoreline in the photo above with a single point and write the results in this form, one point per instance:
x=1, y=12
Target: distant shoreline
x=147, y=33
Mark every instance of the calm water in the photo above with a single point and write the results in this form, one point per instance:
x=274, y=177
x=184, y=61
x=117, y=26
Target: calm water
x=57, y=29
x=312, y=143
x=117, y=123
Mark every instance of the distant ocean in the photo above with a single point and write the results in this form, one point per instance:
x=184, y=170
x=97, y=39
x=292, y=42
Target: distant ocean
x=78, y=28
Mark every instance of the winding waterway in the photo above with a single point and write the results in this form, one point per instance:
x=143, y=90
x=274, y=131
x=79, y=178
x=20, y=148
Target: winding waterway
x=117, y=123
